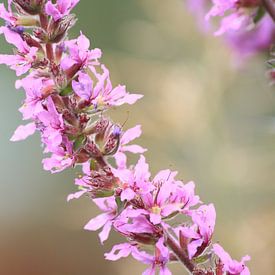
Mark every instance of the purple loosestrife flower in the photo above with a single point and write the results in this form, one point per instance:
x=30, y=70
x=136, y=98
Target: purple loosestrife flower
x=241, y=16
x=60, y=9
x=52, y=126
x=201, y=232
x=248, y=42
x=23, y=59
x=101, y=93
x=230, y=266
x=127, y=137
x=105, y=220
x=8, y=16
x=62, y=157
x=34, y=88
x=79, y=55
x=134, y=181
x=168, y=197
x=160, y=259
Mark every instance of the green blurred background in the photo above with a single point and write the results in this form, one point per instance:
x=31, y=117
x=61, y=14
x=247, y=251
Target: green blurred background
x=201, y=115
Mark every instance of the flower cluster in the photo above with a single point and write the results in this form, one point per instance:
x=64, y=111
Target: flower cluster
x=68, y=92
x=245, y=24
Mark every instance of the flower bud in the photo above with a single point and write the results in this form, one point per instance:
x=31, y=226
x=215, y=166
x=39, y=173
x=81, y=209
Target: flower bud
x=103, y=183
x=112, y=142
x=30, y=41
x=27, y=21
x=92, y=149
x=32, y=7
x=58, y=29
x=98, y=128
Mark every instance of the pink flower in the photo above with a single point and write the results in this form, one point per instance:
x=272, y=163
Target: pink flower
x=22, y=61
x=237, y=17
x=231, y=266
x=33, y=102
x=127, y=137
x=101, y=92
x=201, y=232
x=105, y=220
x=248, y=42
x=60, y=9
x=62, y=157
x=79, y=53
x=160, y=259
x=169, y=197
x=134, y=181
x=51, y=127
x=7, y=15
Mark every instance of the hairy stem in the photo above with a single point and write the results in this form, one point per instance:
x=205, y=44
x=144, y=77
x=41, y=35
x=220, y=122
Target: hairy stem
x=270, y=7
x=180, y=254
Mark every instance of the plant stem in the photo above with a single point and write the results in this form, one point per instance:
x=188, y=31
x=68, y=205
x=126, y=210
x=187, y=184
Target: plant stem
x=270, y=7
x=49, y=50
x=180, y=254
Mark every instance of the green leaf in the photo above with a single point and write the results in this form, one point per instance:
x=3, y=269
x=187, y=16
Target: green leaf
x=104, y=193
x=93, y=164
x=120, y=205
x=202, y=259
x=259, y=15
x=66, y=91
x=79, y=142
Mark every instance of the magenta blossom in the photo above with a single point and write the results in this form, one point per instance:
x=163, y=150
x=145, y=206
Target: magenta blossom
x=52, y=125
x=230, y=266
x=101, y=93
x=237, y=16
x=134, y=181
x=160, y=259
x=248, y=42
x=127, y=137
x=79, y=53
x=33, y=103
x=169, y=197
x=21, y=61
x=60, y=9
x=8, y=16
x=105, y=220
x=62, y=157
x=201, y=232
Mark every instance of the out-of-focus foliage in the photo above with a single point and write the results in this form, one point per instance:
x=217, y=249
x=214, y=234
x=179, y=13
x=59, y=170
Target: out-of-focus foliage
x=201, y=115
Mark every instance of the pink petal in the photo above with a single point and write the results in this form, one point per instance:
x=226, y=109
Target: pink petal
x=23, y=131
x=76, y=195
x=131, y=134
x=97, y=222
x=119, y=251
x=104, y=234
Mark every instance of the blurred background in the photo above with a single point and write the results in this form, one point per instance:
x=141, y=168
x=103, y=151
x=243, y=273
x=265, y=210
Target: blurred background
x=201, y=115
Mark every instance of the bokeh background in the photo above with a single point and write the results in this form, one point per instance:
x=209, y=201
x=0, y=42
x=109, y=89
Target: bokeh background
x=201, y=115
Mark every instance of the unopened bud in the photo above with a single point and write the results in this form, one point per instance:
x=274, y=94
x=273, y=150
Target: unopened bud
x=58, y=29
x=113, y=141
x=30, y=41
x=32, y=7
x=27, y=21
x=93, y=150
